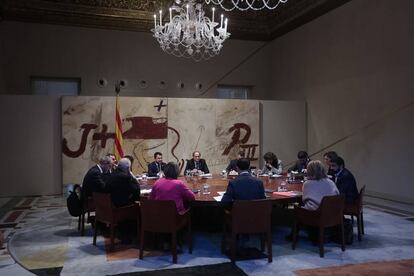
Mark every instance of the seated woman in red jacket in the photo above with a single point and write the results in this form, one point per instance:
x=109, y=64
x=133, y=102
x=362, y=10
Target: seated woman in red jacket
x=170, y=188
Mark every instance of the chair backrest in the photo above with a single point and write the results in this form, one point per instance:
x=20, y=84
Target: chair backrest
x=331, y=210
x=360, y=198
x=251, y=216
x=158, y=215
x=103, y=207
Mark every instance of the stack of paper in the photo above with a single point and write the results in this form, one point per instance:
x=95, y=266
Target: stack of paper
x=219, y=197
x=146, y=191
x=287, y=194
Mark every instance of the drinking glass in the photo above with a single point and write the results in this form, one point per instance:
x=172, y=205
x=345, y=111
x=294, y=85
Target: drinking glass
x=205, y=189
x=283, y=187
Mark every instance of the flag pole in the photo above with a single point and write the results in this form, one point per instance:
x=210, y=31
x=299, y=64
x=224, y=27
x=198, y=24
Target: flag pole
x=118, y=144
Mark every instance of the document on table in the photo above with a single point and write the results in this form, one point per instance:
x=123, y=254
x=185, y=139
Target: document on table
x=288, y=194
x=219, y=197
x=146, y=191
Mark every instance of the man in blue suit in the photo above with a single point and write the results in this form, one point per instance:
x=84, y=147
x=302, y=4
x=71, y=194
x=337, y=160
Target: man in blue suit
x=156, y=167
x=245, y=186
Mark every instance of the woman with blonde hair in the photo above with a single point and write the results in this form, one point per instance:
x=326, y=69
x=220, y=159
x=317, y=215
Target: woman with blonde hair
x=317, y=186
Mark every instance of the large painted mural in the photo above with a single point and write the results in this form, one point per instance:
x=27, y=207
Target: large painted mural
x=175, y=127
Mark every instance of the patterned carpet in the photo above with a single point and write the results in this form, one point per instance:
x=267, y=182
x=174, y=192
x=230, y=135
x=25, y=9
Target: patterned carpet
x=43, y=238
x=405, y=267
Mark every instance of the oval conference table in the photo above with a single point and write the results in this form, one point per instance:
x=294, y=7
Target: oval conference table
x=217, y=185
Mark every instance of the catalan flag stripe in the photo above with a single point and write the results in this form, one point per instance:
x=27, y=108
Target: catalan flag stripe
x=119, y=152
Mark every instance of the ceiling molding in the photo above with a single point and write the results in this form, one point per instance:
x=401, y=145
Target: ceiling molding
x=134, y=15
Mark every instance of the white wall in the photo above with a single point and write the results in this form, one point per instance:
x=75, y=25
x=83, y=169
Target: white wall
x=284, y=130
x=354, y=68
x=62, y=51
x=31, y=145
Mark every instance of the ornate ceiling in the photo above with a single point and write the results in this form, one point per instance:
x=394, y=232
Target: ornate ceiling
x=136, y=15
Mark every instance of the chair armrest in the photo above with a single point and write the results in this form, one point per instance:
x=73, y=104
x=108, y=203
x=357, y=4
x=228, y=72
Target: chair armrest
x=125, y=207
x=185, y=213
x=128, y=211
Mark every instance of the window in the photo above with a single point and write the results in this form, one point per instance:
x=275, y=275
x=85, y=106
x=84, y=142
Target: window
x=233, y=92
x=55, y=86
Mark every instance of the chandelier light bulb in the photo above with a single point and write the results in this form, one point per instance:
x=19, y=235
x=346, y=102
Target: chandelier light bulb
x=245, y=5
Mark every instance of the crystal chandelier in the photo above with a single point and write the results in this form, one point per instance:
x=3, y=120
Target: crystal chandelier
x=189, y=33
x=243, y=5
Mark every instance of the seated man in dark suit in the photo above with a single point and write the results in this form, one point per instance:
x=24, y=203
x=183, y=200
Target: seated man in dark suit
x=301, y=163
x=124, y=190
x=197, y=165
x=344, y=180
x=327, y=157
x=233, y=163
x=156, y=167
x=122, y=186
x=94, y=180
x=245, y=186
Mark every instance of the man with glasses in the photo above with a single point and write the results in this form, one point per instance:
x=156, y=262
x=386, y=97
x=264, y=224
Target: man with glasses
x=196, y=165
x=301, y=164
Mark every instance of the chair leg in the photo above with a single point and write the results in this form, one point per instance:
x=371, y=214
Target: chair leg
x=294, y=235
x=141, y=245
x=269, y=246
x=112, y=237
x=223, y=239
x=79, y=223
x=262, y=241
x=359, y=227
x=174, y=246
x=190, y=239
x=233, y=247
x=95, y=230
x=362, y=223
x=83, y=224
x=342, y=237
x=138, y=231
x=321, y=249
